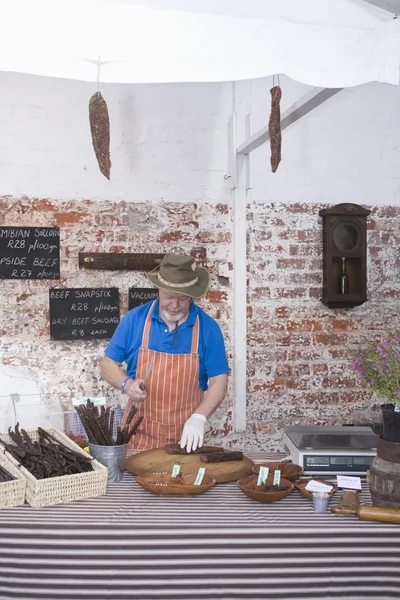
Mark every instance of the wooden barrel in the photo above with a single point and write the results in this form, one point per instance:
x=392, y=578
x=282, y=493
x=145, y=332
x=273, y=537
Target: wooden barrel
x=384, y=475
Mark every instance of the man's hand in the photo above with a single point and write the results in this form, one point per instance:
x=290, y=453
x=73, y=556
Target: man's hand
x=193, y=432
x=134, y=392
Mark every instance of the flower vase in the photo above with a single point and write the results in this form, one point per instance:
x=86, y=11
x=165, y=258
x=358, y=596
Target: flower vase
x=391, y=423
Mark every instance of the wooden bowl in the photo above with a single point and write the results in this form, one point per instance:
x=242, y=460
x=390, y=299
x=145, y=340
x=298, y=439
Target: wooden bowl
x=301, y=485
x=183, y=485
x=288, y=471
x=248, y=486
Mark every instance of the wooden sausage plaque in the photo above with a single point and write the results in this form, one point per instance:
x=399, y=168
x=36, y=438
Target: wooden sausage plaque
x=111, y=261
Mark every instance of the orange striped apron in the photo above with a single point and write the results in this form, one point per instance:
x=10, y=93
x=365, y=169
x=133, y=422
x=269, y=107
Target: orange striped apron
x=173, y=392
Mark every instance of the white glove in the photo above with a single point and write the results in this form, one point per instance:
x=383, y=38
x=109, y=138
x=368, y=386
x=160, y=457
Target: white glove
x=193, y=432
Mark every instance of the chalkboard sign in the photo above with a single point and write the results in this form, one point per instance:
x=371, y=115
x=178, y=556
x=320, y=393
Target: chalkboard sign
x=83, y=313
x=138, y=296
x=29, y=253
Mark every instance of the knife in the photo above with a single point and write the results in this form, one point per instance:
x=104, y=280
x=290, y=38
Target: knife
x=142, y=385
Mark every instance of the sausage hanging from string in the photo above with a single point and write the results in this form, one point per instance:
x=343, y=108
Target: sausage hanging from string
x=275, y=135
x=100, y=130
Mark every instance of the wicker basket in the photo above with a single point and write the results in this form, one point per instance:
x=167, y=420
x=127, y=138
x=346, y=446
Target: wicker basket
x=57, y=490
x=12, y=493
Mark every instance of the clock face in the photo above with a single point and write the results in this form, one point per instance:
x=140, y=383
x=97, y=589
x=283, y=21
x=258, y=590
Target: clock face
x=346, y=236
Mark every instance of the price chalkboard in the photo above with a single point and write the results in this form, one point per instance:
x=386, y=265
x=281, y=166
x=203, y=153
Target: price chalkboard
x=83, y=313
x=29, y=253
x=138, y=296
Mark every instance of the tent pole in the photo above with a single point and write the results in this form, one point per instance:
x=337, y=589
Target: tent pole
x=242, y=182
x=249, y=163
x=239, y=264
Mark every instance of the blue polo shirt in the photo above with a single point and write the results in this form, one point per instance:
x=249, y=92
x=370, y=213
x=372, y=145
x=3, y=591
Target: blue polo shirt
x=127, y=339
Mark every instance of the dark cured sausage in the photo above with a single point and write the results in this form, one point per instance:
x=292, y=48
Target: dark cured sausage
x=221, y=457
x=100, y=130
x=275, y=136
x=176, y=449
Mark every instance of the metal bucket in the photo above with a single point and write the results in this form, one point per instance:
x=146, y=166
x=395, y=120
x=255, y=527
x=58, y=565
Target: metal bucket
x=112, y=457
x=320, y=501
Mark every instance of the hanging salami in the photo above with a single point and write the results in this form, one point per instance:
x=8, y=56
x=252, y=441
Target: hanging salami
x=100, y=130
x=275, y=136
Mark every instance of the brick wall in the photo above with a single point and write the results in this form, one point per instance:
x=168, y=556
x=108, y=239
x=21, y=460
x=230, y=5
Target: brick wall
x=70, y=368
x=299, y=352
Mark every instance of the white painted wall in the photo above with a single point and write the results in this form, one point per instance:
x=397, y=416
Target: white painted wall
x=346, y=150
x=168, y=142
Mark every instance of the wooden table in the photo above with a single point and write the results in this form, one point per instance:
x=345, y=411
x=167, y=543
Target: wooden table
x=131, y=544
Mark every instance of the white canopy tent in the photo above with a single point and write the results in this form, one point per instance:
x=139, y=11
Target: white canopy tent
x=324, y=43
x=327, y=44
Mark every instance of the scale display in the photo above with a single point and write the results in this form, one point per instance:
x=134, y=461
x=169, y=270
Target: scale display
x=333, y=464
x=331, y=450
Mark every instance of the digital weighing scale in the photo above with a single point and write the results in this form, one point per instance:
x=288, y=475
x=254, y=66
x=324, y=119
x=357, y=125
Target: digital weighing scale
x=331, y=450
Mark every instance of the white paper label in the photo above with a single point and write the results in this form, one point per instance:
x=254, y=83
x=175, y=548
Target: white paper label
x=200, y=475
x=315, y=486
x=97, y=400
x=262, y=475
x=349, y=483
x=175, y=470
x=277, y=477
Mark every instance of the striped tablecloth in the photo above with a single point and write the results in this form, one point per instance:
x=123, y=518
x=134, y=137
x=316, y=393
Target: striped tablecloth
x=131, y=544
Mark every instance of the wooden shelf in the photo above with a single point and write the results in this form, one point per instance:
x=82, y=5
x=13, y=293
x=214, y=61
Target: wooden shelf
x=343, y=300
x=110, y=261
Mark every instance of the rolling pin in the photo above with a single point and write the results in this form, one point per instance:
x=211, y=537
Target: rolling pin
x=378, y=513
x=369, y=513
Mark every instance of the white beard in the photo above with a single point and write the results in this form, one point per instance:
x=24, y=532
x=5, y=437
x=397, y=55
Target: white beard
x=170, y=318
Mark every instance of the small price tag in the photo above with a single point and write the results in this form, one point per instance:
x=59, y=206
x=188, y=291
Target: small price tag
x=316, y=486
x=175, y=470
x=200, y=476
x=262, y=475
x=349, y=483
x=277, y=477
x=97, y=400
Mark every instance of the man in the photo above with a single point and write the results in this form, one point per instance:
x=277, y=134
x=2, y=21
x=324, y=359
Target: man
x=177, y=370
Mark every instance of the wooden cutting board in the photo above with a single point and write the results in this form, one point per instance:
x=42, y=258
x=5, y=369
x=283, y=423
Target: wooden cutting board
x=158, y=460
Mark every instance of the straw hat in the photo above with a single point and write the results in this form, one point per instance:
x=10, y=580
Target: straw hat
x=179, y=273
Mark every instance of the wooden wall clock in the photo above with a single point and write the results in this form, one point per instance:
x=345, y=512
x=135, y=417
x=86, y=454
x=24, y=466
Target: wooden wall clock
x=344, y=255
